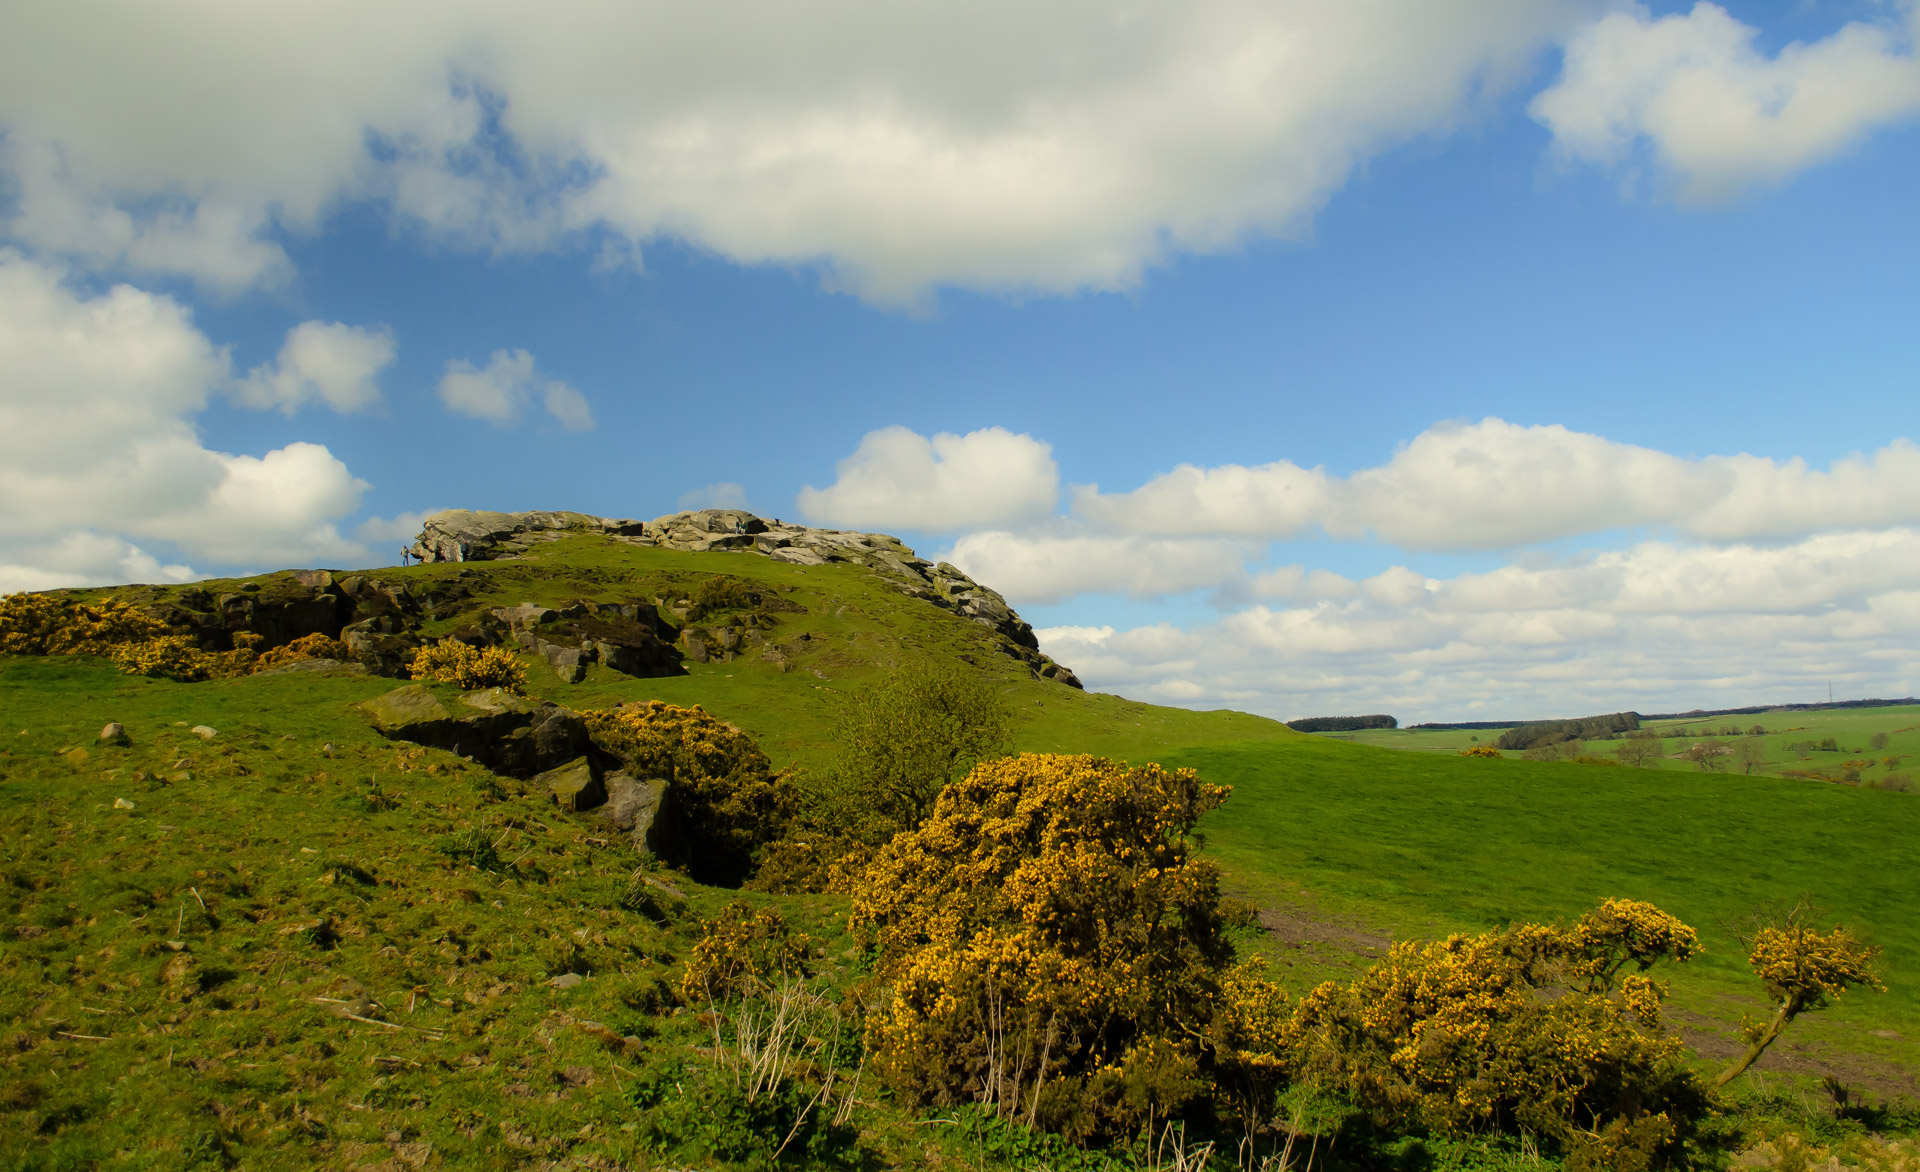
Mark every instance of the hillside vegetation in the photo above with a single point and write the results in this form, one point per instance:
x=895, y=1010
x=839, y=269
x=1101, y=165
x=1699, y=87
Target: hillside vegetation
x=253, y=932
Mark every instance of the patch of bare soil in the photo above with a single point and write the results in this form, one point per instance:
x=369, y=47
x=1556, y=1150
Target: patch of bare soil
x=1718, y=1042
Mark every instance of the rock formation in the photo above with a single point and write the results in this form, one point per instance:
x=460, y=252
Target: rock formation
x=464, y=535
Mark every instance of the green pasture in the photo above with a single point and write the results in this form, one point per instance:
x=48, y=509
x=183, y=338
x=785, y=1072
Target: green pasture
x=1418, y=845
x=1783, y=740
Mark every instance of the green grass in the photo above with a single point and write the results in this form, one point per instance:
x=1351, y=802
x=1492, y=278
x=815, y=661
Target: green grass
x=233, y=841
x=1425, y=844
x=1782, y=741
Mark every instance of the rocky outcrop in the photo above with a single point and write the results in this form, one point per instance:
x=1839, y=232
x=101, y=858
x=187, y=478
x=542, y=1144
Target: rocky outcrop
x=505, y=733
x=463, y=535
x=624, y=636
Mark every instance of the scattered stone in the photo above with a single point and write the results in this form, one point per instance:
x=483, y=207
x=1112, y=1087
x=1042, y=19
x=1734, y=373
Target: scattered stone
x=115, y=733
x=566, y=980
x=574, y=785
x=326, y=750
x=579, y=1076
x=122, y=804
x=204, y=732
x=76, y=756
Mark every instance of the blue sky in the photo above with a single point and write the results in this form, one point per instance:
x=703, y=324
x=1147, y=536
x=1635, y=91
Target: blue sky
x=1501, y=295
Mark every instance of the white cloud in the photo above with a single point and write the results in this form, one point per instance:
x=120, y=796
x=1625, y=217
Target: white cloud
x=399, y=527
x=327, y=362
x=1715, y=111
x=82, y=559
x=999, y=146
x=899, y=479
x=501, y=390
x=1657, y=626
x=1043, y=567
x=1497, y=485
x=724, y=495
x=568, y=406
x=95, y=440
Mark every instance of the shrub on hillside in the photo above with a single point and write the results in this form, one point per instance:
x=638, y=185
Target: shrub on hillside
x=1554, y=1030
x=900, y=743
x=453, y=662
x=741, y=951
x=1482, y=751
x=1054, y=950
x=314, y=646
x=47, y=624
x=725, y=799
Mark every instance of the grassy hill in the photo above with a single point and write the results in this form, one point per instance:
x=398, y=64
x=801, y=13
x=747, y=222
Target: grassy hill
x=295, y=943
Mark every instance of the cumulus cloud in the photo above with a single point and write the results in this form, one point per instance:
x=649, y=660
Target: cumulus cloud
x=899, y=479
x=1716, y=112
x=1044, y=567
x=501, y=390
x=1498, y=485
x=999, y=146
x=96, y=444
x=82, y=559
x=399, y=527
x=325, y=362
x=1657, y=625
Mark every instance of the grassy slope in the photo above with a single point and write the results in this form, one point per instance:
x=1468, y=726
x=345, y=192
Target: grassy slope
x=1423, y=844
x=1413, y=843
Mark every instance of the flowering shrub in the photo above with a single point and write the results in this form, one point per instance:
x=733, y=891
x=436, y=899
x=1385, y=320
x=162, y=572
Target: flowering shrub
x=738, y=951
x=1481, y=751
x=1802, y=969
x=1535, y=1027
x=1052, y=945
x=46, y=624
x=314, y=646
x=453, y=662
x=723, y=795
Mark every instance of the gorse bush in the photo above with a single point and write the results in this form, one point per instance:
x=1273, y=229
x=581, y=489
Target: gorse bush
x=741, y=951
x=724, y=798
x=1546, y=1029
x=314, y=646
x=46, y=624
x=453, y=662
x=1052, y=947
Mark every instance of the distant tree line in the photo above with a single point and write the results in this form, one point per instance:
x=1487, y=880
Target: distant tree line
x=1311, y=724
x=1552, y=732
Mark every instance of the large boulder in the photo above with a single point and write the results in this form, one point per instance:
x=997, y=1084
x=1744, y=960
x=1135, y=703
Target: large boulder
x=575, y=785
x=506, y=733
x=637, y=807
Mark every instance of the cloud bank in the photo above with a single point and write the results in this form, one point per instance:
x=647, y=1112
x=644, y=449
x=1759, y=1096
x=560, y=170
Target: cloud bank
x=97, y=453
x=500, y=392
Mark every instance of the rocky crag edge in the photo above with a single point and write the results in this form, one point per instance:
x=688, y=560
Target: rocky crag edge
x=465, y=535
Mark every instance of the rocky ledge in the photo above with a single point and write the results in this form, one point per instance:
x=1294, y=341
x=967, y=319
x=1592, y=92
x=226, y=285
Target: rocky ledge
x=463, y=535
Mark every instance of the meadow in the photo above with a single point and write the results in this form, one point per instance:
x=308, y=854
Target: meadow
x=1791, y=741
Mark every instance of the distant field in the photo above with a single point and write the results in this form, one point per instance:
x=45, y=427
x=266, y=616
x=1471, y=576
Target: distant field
x=1421, y=844
x=1782, y=741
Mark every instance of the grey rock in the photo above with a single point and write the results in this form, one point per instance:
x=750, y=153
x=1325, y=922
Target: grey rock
x=696, y=648
x=634, y=806
x=574, y=785
x=204, y=732
x=566, y=981
x=503, y=732
x=115, y=733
